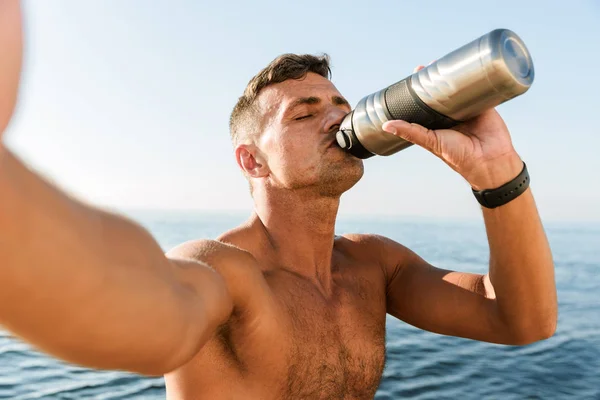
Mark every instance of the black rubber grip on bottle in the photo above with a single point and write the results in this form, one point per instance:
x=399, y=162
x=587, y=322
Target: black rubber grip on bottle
x=403, y=103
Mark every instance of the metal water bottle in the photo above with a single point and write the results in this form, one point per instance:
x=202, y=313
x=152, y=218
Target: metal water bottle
x=478, y=76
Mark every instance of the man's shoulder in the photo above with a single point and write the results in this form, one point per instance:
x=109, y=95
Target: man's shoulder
x=201, y=248
x=226, y=258
x=244, y=278
x=370, y=247
x=368, y=241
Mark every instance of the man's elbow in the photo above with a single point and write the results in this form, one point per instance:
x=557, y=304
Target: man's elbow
x=539, y=330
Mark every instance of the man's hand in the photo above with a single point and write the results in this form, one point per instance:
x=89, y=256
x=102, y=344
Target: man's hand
x=10, y=58
x=480, y=149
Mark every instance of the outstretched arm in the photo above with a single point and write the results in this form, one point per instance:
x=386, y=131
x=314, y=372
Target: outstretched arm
x=85, y=285
x=94, y=288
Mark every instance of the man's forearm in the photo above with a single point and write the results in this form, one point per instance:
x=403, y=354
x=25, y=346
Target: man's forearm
x=89, y=286
x=521, y=265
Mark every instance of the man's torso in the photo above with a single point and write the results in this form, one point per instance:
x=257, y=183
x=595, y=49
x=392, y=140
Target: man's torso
x=291, y=341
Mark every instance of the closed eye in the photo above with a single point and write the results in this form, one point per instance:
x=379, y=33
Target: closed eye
x=303, y=117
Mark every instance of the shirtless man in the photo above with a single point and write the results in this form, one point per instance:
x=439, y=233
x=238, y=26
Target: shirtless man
x=280, y=307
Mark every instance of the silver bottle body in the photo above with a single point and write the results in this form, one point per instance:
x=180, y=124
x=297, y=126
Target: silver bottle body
x=478, y=76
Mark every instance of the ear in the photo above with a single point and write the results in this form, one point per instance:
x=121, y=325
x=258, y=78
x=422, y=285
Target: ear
x=10, y=58
x=251, y=161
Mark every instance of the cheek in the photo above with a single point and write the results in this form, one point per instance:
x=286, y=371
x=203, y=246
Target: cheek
x=292, y=150
x=294, y=162
x=292, y=154
x=301, y=153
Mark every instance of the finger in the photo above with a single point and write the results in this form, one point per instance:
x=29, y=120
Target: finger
x=414, y=133
x=418, y=68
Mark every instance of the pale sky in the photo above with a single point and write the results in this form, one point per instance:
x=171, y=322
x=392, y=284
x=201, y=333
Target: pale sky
x=126, y=103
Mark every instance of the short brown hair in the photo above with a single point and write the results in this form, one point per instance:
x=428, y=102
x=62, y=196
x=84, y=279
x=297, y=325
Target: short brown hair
x=243, y=119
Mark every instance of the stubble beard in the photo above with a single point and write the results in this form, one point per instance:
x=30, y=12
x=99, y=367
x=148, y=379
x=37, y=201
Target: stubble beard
x=338, y=177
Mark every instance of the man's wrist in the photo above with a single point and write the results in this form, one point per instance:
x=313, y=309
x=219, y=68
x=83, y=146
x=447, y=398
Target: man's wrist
x=496, y=173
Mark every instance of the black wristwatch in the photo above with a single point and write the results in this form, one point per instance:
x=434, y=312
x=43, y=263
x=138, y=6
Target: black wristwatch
x=492, y=198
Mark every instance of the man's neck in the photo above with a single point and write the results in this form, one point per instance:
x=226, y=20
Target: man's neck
x=299, y=230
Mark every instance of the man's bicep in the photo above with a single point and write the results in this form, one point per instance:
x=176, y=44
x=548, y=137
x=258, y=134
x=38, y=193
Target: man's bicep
x=441, y=301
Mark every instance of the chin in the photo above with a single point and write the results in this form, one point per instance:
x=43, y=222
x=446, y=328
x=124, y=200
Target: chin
x=338, y=179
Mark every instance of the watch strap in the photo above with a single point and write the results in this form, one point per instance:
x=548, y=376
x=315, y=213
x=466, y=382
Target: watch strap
x=492, y=198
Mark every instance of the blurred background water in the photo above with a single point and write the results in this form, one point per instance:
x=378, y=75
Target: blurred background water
x=420, y=365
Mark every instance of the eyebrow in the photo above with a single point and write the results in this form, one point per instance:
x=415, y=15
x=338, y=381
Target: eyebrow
x=337, y=100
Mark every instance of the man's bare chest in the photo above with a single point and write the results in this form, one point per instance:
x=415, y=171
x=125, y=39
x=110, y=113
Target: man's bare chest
x=338, y=351
x=320, y=347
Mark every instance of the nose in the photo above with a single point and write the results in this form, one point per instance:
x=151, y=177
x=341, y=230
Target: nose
x=334, y=120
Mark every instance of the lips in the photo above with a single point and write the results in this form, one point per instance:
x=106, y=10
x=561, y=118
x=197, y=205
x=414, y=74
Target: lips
x=330, y=144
